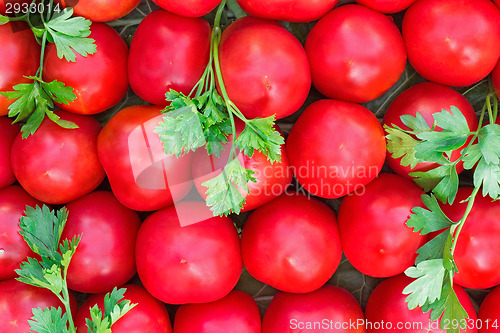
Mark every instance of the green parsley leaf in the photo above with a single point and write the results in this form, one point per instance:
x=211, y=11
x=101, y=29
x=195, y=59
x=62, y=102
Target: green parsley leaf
x=49, y=321
x=428, y=220
x=260, y=134
x=488, y=176
x=401, y=144
x=216, y=136
x=472, y=156
x=489, y=143
x=417, y=123
x=442, y=181
x=434, y=248
x=426, y=288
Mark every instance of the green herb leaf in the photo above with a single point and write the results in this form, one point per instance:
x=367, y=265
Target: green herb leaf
x=489, y=143
x=4, y=20
x=472, y=156
x=426, y=288
x=417, y=123
x=442, y=181
x=401, y=144
x=260, y=134
x=428, y=220
x=488, y=176
x=49, y=321
x=434, y=248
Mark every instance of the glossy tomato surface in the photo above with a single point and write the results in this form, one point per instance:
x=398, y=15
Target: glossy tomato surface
x=20, y=54
x=99, y=80
x=288, y=10
x=149, y=315
x=478, y=245
x=58, y=165
x=426, y=98
x=335, y=148
x=457, y=45
x=386, y=6
x=387, y=310
x=199, y=263
x=489, y=312
x=334, y=308
x=356, y=54
x=188, y=8
x=167, y=52
x=9, y=132
x=142, y=177
x=237, y=312
x=13, y=248
x=264, y=68
x=101, y=10
x=292, y=243
x=106, y=254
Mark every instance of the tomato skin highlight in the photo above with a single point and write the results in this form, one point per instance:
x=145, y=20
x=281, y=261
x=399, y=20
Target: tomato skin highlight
x=188, y=8
x=9, y=132
x=288, y=10
x=328, y=148
x=386, y=6
x=155, y=66
x=356, y=54
x=264, y=68
x=457, y=45
x=100, y=10
x=489, y=312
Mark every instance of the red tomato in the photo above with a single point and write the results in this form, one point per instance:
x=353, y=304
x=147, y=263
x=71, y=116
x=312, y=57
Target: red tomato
x=167, y=52
x=335, y=148
x=288, y=10
x=489, y=313
x=9, y=132
x=99, y=80
x=457, y=45
x=236, y=312
x=20, y=54
x=426, y=98
x=58, y=165
x=197, y=263
x=149, y=315
x=292, y=243
x=329, y=309
x=106, y=254
x=375, y=238
x=188, y=8
x=356, y=54
x=264, y=67
x=386, y=6
x=495, y=78
x=101, y=10
x=142, y=177
x=387, y=311
x=10, y=7
x=13, y=248
x=478, y=245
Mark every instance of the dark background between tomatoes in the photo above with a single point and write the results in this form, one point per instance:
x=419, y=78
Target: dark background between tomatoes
x=346, y=276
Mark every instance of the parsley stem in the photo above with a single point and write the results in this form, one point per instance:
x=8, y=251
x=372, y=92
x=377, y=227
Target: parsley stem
x=457, y=228
x=42, y=55
x=66, y=301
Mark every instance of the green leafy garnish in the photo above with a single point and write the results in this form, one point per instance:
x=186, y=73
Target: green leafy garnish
x=49, y=320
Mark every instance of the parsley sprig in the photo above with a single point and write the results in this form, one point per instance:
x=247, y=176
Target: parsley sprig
x=435, y=267
x=35, y=100
x=207, y=118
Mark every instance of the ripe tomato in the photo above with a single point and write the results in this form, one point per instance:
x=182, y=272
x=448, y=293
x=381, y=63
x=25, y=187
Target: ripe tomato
x=100, y=10
x=328, y=309
x=106, y=254
x=58, y=165
x=149, y=315
x=167, y=52
x=264, y=67
x=236, y=312
x=188, y=8
x=356, y=54
x=495, y=78
x=489, y=313
x=271, y=250
x=20, y=54
x=478, y=245
x=335, y=148
x=197, y=263
x=288, y=10
x=457, y=45
x=99, y=80
x=142, y=177
x=13, y=248
x=386, y=6
x=387, y=311
x=426, y=98
x=9, y=132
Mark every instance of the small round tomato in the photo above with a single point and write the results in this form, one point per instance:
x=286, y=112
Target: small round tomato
x=291, y=243
x=9, y=132
x=99, y=80
x=333, y=307
x=13, y=248
x=149, y=315
x=188, y=8
x=478, y=245
x=386, y=6
x=386, y=310
x=335, y=148
x=495, y=78
x=100, y=10
x=457, y=45
x=236, y=312
x=489, y=313
x=197, y=263
x=426, y=98
x=288, y=10
x=356, y=54
x=167, y=52
x=58, y=165
x=142, y=177
x=264, y=68
x=106, y=254
x=20, y=54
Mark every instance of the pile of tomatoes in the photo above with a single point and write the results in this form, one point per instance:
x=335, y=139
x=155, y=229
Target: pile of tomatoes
x=332, y=72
